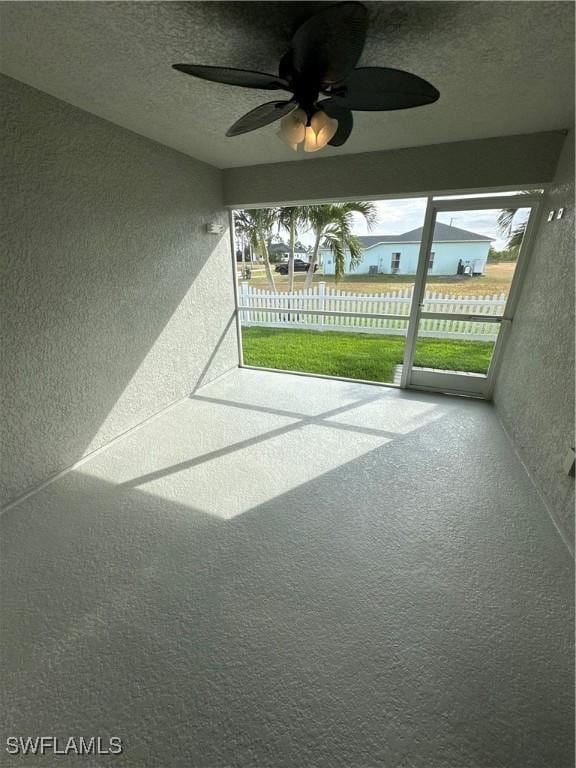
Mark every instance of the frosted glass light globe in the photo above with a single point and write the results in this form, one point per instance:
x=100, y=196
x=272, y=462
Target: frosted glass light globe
x=321, y=129
x=293, y=128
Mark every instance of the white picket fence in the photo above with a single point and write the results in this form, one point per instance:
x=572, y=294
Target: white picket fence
x=323, y=298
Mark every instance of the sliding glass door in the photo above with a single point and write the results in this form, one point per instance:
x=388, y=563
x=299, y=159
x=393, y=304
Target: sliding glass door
x=427, y=307
x=471, y=261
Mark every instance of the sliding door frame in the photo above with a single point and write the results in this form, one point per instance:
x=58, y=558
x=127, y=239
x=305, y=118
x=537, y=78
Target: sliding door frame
x=455, y=382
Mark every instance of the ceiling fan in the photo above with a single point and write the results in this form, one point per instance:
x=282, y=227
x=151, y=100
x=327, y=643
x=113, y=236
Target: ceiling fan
x=321, y=61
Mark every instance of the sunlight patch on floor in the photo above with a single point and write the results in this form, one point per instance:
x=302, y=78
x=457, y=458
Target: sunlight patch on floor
x=235, y=445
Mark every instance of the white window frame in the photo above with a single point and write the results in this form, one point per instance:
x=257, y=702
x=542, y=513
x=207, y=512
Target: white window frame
x=452, y=382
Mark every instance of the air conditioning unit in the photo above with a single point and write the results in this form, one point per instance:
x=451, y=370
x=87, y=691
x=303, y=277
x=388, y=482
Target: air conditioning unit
x=373, y=270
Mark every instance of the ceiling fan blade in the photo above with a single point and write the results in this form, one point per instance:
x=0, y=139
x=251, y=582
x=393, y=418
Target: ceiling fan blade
x=230, y=76
x=345, y=121
x=261, y=116
x=286, y=67
x=381, y=88
x=327, y=47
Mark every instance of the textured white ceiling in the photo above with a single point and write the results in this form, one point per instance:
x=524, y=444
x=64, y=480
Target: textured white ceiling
x=501, y=68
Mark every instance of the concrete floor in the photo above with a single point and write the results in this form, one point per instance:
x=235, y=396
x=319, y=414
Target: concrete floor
x=287, y=571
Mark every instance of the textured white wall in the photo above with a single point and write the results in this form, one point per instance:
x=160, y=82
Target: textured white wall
x=535, y=387
x=116, y=303
x=511, y=161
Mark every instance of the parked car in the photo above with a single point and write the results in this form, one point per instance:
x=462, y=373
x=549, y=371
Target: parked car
x=299, y=266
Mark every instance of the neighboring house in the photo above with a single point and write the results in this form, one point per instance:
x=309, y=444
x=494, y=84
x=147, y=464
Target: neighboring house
x=280, y=252
x=391, y=254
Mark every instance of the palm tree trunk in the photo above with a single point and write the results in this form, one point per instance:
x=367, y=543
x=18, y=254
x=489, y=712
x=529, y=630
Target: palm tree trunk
x=313, y=260
x=291, y=257
x=267, y=265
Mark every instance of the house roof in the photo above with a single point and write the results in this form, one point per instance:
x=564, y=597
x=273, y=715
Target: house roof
x=443, y=233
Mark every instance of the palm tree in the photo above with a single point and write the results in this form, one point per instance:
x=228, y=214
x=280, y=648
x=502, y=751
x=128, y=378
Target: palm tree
x=514, y=234
x=257, y=225
x=292, y=219
x=243, y=248
x=332, y=227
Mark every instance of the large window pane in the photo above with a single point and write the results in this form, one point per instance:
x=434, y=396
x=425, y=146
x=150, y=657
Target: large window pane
x=298, y=326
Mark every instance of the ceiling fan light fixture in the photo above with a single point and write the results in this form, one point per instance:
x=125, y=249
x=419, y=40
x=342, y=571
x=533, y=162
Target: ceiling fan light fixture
x=293, y=128
x=322, y=59
x=323, y=127
x=313, y=133
x=310, y=141
x=319, y=132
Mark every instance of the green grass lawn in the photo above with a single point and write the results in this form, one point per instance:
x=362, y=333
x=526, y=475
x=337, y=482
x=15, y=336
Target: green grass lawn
x=357, y=355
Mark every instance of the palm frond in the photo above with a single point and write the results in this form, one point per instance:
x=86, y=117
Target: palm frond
x=293, y=216
x=505, y=222
x=356, y=250
x=505, y=219
x=332, y=225
x=338, y=250
x=365, y=208
x=257, y=224
x=516, y=236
